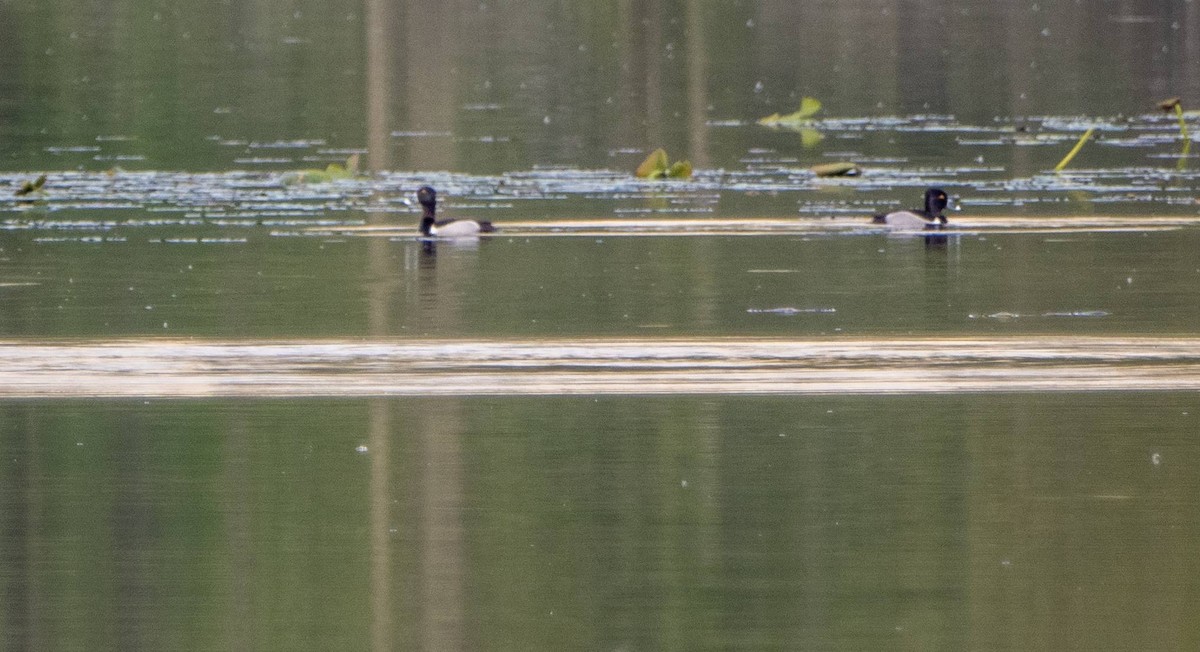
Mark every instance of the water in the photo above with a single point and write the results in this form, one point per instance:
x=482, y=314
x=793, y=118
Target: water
x=642, y=366
x=241, y=412
x=601, y=521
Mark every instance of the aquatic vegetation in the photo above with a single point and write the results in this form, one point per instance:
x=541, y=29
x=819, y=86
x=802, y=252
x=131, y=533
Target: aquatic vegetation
x=36, y=186
x=1074, y=150
x=332, y=172
x=1126, y=173
x=809, y=107
x=1173, y=104
x=799, y=121
x=658, y=166
x=810, y=137
x=839, y=169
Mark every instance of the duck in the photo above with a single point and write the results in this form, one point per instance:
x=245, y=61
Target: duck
x=431, y=227
x=931, y=217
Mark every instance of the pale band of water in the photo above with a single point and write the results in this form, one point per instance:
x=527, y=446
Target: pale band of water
x=762, y=226
x=519, y=367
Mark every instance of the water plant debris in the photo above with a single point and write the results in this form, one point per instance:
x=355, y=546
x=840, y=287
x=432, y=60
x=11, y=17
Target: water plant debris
x=37, y=185
x=332, y=172
x=1074, y=150
x=1174, y=104
x=839, y=169
x=658, y=166
x=809, y=107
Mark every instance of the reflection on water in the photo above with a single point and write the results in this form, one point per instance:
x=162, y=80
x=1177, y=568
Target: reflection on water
x=956, y=521
x=715, y=414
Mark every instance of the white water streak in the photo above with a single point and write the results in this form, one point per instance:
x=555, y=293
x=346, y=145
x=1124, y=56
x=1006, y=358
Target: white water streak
x=734, y=366
x=676, y=227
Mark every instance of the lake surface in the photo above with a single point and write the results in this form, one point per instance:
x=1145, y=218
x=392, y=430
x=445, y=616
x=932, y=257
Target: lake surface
x=241, y=411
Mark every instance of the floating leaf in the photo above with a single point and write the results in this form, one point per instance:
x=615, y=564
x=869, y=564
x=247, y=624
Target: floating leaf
x=809, y=107
x=839, y=169
x=680, y=170
x=654, y=166
x=31, y=186
x=332, y=172
x=305, y=176
x=658, y=166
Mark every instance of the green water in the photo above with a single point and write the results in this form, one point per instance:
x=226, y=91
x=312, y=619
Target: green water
x=950, y=522
x=981, y=519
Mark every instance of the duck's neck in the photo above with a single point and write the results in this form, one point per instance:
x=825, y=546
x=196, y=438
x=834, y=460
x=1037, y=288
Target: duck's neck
x=427, y=220
x=933, y=213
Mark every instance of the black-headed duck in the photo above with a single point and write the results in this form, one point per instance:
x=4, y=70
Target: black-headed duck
x=431, y=227
x=932, y=217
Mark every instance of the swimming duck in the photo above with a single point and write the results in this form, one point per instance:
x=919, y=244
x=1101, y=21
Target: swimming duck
x=432, y=228
x=936, y=201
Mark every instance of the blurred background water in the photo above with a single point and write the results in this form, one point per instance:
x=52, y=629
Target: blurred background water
x=965, y=519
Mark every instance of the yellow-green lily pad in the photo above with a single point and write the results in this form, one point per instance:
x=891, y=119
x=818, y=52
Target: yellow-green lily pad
x=839, y=169
x=654, y=165
x=809, y=107
x=658, y=166
x=332, y=172
x=680, y=170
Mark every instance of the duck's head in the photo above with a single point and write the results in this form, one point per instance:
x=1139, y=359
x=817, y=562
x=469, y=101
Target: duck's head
x=427, y=197
x=936, y=201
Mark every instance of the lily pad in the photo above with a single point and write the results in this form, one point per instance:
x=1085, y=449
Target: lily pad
x=839, y=169
x=332, y=172
x=658, y=166
x=680, y=170
x=809, y=107
x=654, y=165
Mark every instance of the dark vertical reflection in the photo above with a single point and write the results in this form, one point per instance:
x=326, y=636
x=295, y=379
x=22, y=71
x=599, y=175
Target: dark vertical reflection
x=1188, y=32
x=428, y=52
x=132, y=528
x=705, y=287
x=381, y=583
x=382, y=23
x=18, y=543
x=438, y=443
x=238, y=498
x=428, y=62
x=697, y=85
x=922, y=60
x=1014, y=28
x=441, y=576
x=649, y=26
x=640, y=50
